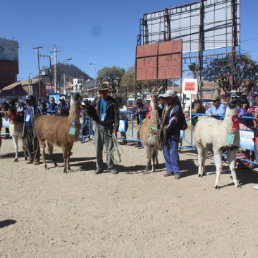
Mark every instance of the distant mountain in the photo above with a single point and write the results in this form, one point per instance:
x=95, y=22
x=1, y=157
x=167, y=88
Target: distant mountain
x=71, y=72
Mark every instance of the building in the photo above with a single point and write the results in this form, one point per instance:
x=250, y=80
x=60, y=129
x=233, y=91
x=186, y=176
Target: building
x=9, y=67
x=24, y=87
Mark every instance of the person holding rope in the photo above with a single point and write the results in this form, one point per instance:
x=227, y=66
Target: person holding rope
x=105, y=113
x=28, y=132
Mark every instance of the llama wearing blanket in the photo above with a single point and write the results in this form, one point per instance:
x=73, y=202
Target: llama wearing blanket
x=149, y=139
x=212, y=132
x=60, y=131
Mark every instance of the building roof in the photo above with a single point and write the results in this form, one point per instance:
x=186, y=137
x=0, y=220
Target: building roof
x=20, y=83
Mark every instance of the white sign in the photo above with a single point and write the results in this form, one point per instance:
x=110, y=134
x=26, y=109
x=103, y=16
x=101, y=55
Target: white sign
x=246, y=139
x=190, y=86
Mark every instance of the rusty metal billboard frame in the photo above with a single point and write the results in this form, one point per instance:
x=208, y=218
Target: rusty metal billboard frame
x=159, y=61
x=162, y=26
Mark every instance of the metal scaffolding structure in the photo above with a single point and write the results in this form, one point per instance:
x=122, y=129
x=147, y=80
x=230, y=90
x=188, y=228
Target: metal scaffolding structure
x=208, y=28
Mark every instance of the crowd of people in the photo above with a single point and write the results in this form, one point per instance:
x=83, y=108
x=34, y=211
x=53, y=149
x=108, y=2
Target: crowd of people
x=107, y=113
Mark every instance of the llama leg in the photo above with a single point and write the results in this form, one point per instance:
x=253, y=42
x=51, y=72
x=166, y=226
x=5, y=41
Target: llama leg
x=50, y=151
x=42, y=145
x=200, y=150
x=24, y=147
x=148, y=155
x=232, y=165
x=153, y=158
x=218, y=163
x=156, y=158
x=15, y=142
x=68, y=159
x=65, y=157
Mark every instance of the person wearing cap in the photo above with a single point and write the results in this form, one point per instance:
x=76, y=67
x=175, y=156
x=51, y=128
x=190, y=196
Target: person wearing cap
x=43, y=107
x=63, y=107
x=122, y=117
x=52, y=106
x=170, y=133
x=217, y=109
x=141, y=111
x=105, y=113
x=28, y=132
x=161, y=105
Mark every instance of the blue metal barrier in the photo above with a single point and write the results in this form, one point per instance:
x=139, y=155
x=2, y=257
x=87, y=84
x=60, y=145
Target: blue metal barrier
x=243, y=145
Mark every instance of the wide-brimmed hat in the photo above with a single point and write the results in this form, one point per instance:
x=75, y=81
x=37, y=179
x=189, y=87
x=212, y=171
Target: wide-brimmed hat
x=168, y=94
x=103, y=87
x=216, y=97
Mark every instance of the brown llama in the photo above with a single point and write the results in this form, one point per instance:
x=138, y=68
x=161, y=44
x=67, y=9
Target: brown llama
x=149, y=135
x=60, y=131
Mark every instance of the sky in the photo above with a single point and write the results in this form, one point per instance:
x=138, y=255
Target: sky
x=98, y=32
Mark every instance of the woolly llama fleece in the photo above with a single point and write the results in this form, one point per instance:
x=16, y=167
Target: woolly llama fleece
x=210, y=132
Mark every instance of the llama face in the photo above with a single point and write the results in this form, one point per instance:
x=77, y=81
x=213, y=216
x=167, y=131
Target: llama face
x=233, y=99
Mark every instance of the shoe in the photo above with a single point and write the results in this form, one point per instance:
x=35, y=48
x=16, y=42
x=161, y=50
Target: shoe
x=167, y=174
x=113, y=171
x=30, y=162
x=98, y=171
x=36, y=163
x=178, y=176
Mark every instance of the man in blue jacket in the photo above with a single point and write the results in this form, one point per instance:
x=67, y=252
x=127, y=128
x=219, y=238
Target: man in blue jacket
x=170, y=133
x=217, y=109
x=105, y=113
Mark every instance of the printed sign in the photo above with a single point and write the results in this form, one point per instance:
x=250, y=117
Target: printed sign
x=190, y=86
x=121, y=126
x=246, y=139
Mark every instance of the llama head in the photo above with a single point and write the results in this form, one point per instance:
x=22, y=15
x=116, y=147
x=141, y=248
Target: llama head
x=154, y=102
x=76, y=99
x=233, y=99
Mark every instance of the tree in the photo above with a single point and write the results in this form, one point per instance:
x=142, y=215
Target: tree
x=220, y=70
x=128, y=78
x=194, y=68
x=111, y=74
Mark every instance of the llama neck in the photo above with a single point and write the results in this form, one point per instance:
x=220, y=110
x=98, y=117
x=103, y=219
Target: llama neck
x=154, y=117
x=228, y=118
x=74, y=111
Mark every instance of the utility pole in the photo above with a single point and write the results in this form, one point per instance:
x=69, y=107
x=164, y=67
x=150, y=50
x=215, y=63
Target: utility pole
x=55, y=63
x=38, y=69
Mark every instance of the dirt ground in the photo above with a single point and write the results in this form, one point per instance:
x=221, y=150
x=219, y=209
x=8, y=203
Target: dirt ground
x=80, y=214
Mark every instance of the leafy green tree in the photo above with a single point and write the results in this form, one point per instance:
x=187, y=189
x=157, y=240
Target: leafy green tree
x=220, y=70
x=111, y=74
x=128, y=78
x=194, y=68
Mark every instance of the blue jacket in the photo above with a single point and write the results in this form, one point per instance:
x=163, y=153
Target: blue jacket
x=219, y=111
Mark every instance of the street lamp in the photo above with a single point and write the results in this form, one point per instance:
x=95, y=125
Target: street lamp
x=67, y=59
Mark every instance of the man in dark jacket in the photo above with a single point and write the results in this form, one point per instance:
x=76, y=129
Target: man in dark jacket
x=170, y=133
x=105, y=113
x=28, y=132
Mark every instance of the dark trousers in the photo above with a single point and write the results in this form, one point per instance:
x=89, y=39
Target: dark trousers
x=103, y=136
x=32, y=145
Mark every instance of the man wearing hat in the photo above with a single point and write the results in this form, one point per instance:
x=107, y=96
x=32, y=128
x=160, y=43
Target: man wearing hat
x=63, y=107
x=104, y=111
x=170, y=133
x=28, y=132
x=217, y=109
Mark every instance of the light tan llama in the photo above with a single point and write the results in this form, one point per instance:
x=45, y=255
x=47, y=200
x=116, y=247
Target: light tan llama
x=149, y=134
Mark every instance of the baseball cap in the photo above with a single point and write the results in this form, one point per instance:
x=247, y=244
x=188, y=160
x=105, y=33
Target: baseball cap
x=29, y=97
x=168, y=94
x=62, y=98
x=216, y=97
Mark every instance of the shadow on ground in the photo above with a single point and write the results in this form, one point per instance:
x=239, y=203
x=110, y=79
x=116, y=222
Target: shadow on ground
x=7, y=222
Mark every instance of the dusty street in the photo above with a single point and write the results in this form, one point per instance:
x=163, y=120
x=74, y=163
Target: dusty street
x=80, y=214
